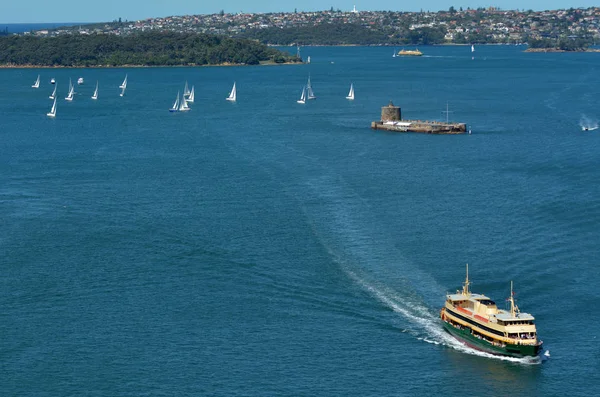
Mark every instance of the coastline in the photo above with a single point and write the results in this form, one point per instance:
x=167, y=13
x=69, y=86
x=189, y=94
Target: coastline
x=224, y=64
x=559, y=50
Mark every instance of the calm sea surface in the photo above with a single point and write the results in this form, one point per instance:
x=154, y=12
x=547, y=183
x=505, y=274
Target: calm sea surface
x=269, y=248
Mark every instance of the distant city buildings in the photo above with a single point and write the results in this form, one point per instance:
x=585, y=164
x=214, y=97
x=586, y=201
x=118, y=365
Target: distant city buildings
x=490, y=25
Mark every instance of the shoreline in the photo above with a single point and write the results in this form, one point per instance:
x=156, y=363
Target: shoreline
x=544, y=50
x=225, y=64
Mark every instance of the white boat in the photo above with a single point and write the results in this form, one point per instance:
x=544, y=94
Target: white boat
x=80, y=81
x=37, y=83
x=472, y=48
x=186, y=91
x=308, y=59
x=190, y=97
x=53, y=110
x=175, y=107
x=95, y=96
x=52, y=80
x=53, y=96
x=183, y=106
x=309, y=91
x=71, y=91
x=123, y=86
x=303, y=96
x=124, y=83
x=351, y=93
x=233, y=94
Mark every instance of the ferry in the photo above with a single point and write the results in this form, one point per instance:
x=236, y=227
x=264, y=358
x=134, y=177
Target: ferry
x=476, y=321
x=414, y=53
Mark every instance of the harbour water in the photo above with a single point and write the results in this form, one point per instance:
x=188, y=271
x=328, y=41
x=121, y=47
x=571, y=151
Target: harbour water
x=265, y=247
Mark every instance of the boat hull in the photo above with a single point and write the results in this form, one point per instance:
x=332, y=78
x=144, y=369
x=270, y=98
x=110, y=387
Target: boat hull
x=464, y=335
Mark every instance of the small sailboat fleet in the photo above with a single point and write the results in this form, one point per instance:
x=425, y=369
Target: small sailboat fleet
x=181, y=102
x=350, y=95
x=233, y=94
x=95, y=96
x=37, y=83
x=71, y=92
x=52, y=112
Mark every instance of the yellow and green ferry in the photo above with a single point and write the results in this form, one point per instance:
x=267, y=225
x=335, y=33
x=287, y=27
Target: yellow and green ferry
x=414, y=53
x=475, y=320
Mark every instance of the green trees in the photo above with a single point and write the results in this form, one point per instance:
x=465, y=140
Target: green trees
x=563, y=43
x=148, y=49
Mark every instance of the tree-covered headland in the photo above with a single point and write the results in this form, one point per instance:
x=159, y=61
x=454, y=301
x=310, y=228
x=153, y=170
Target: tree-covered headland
x=142, y=49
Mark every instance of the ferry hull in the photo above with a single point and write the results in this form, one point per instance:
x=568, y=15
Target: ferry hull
x=519, y=351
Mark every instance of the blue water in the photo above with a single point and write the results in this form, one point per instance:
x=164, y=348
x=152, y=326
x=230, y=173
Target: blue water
x=269, y=248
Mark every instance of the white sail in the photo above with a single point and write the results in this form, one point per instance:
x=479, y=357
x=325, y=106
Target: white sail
x=308, y=59
x=303, y=96
x=124, y=84
x=175, y=107
x=190, y=97
x=183, y=106
x=53, y=110
x=95, y=96
x=186, y=90
x=37, y=83
x=309, y=91
x=351, y=93
x=71, y=91
x=53, y=96
x=233, y=94
x=472, y=48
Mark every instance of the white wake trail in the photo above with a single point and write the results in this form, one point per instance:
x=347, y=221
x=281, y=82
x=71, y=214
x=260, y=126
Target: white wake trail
x=431, y=330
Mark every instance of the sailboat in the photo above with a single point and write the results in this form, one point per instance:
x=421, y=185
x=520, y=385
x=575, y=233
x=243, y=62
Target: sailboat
x=186, y=91
x=37, y=83
x=71, y=91
x=53, y=110
x=183, y=106
x=175, y=107
x=472, y=48
x=53, y=96
x=95, y=96
x=190, y=97
x=123, y=87
x=394, y=55
x=308, y=59
x=233, y=94
x=303, y=96
x=309, y=90
x=351, y=93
